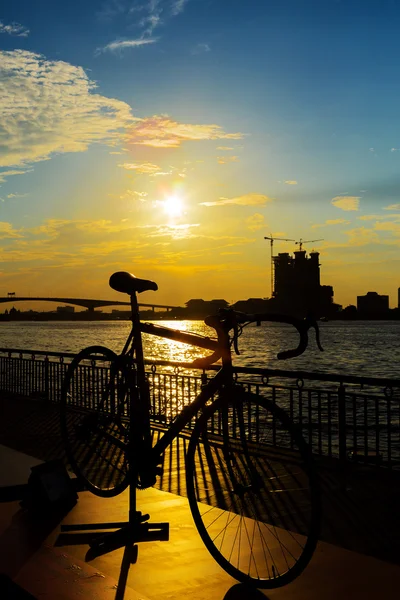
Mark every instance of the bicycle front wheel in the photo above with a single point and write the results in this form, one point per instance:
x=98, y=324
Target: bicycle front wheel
x=252, y=490
x=94, y=420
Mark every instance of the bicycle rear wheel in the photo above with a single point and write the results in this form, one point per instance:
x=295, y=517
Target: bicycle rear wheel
x=252, y=490
x=94, y=420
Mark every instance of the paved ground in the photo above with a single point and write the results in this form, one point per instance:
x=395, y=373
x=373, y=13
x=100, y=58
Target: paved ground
x=363, y=515
x=38, y=560
x=358, y=556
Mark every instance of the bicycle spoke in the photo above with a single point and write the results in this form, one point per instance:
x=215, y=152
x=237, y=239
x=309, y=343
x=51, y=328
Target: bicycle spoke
x=93, y=403
x=254, y=512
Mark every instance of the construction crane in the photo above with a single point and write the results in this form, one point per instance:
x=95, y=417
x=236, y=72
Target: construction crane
x=271, y=241
x=301, y=242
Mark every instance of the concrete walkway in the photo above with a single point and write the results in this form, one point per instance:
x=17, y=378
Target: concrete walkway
x=178, y=568
x=363, y=515
x=361, y=525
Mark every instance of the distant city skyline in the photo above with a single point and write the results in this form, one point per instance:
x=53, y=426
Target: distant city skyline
x=169, y=137
x=146, y=301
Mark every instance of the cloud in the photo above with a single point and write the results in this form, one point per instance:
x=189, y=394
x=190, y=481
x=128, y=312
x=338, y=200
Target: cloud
x=388, y=226
x=5, y=174
x=223, y=160
x=64, y=229
x=133, y=194
x=111, y=9
x=14, y=29
x=337, y=222
x=331, y=222
x=392, y=207
x=362, y=236
x=201, y=48
x=246, y=200
x=145, y=15
x=372, y=217
x=119, y=45
x=16, y=195
x=73, y=239
x=177, y=6
x=255, y=222
x=78, y=246
x=49, y=107
x=393, y=149
x=147, y=168
x=8, y=231
x=346, y=202
x=291, y=182
x=225, y=148
x=160, y=131
x=381, y=219
x=174, y=231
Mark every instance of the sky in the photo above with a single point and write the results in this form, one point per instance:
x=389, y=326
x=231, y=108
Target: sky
x=168, y=138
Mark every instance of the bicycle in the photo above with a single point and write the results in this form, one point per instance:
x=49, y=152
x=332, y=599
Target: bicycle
x=251, y=484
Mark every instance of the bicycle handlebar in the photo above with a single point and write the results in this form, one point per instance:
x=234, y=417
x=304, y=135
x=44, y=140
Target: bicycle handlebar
x=229, y=319
x=302, y=326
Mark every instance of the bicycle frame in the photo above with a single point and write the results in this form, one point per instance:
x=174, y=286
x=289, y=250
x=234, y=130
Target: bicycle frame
x=223, y=377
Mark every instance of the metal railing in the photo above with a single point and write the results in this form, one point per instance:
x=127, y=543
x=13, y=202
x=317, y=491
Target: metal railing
x=341, y=417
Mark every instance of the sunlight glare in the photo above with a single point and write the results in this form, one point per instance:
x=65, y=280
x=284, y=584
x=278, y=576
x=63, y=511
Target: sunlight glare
x=173, y=206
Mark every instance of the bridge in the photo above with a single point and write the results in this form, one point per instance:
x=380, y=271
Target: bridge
x=90, y=304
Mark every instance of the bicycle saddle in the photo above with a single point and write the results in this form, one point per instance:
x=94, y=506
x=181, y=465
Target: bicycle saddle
x=125, y=282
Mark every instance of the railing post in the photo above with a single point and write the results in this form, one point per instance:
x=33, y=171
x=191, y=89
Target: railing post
x=204, y=378
x=46, y=379
x=342, y=433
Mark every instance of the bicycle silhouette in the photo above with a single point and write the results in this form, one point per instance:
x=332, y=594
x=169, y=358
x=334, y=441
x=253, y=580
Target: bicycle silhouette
x=250, y=480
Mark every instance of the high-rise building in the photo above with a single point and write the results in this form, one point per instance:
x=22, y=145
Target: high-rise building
x=297, y=285
x=372, y=303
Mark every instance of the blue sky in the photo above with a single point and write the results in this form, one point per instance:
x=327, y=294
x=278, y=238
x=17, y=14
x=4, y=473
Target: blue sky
x=168, y=137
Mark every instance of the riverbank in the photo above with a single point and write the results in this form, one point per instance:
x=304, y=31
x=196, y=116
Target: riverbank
x=393, y=315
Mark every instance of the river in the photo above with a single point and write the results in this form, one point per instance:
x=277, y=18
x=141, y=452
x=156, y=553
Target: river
x=363, y=348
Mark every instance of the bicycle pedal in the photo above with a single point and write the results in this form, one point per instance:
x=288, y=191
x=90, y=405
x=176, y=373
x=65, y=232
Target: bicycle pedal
x=140, y=518
x=144, y=518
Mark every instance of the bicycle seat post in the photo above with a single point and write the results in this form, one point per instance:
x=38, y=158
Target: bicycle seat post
x=137, y=342
x=135, y=424
x=135, y=317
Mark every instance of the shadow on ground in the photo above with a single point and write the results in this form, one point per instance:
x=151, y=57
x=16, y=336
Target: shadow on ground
x=360, y=513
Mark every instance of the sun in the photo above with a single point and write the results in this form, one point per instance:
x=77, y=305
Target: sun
x=173, y=206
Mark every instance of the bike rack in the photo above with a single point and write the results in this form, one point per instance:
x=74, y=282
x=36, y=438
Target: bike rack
x=127, y=533
x=137, y=528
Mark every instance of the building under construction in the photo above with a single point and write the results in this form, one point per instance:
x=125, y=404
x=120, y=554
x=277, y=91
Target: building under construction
x=297, y=287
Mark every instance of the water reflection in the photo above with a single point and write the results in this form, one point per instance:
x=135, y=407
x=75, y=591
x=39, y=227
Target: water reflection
x=158, y=348
x=369, y=348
